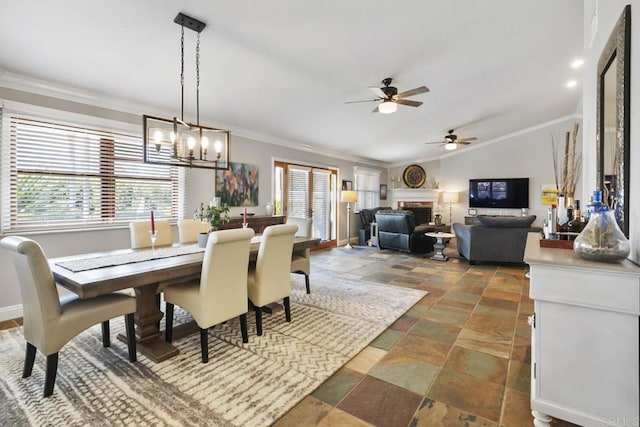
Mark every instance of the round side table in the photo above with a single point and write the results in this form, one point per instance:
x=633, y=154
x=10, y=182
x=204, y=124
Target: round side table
x=440, y=244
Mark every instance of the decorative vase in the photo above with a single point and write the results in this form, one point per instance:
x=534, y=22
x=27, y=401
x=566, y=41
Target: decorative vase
x=601, y=240
x=203, y=238
x=268, y=209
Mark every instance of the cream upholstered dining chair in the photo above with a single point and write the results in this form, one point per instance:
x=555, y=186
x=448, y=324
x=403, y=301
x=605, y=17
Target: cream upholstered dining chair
x=221, y=292
x=188, y=229
x=140, y=237
x=48, y=322
x=270, y=280
x=301, y=260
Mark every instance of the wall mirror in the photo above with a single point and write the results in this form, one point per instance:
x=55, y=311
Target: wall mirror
x=613, y=137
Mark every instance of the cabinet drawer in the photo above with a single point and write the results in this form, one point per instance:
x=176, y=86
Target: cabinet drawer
x=610, y=291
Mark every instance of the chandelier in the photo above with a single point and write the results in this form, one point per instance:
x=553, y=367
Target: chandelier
x=176, y=142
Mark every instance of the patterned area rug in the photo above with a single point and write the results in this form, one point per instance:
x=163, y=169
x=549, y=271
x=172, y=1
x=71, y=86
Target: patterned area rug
x=243, y=384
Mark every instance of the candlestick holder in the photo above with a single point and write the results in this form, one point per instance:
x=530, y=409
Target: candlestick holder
x=153, y=235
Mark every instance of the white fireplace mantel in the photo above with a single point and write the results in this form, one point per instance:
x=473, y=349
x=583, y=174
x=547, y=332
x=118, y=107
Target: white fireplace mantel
x=413, y=195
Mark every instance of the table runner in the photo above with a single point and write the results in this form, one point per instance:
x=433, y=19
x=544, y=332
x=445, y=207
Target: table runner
x=102, y=261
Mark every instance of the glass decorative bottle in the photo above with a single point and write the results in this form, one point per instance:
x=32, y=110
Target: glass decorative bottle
x=601, y=239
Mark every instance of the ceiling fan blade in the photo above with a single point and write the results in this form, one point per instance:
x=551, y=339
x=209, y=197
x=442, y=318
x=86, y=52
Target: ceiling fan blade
x=376, y=110
x=415, y=91
x=409, y=103
x=463, y=142
x=467, y=139
x=366, y=100
x=378, y=92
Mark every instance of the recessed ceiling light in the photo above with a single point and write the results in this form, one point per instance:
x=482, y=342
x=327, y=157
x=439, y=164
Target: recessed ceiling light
x=577, y=63
x=572, y=83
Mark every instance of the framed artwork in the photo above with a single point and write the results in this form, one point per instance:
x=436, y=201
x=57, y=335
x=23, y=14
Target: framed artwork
x=347, y=185
x=238, y=185
x=473, y=212
x=383, y=191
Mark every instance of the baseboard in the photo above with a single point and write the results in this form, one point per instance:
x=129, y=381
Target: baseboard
x=10, y=312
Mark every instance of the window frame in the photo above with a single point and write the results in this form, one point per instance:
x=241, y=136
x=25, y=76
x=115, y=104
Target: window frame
x=107, y=204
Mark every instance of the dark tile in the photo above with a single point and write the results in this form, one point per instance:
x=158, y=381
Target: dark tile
x=380, y=403
x=432, y=413
x=337, y=386
x=437, y=331
x=387, y=339
x=519, y=376
x=404, y=323
x=478, y=364
x=467, y=393
x=499, y=303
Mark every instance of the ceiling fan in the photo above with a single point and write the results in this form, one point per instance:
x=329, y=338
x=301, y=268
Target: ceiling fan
x=451, y=141
x=391, y=98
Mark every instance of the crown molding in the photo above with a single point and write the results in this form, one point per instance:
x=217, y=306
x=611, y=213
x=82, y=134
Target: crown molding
x=56, y=90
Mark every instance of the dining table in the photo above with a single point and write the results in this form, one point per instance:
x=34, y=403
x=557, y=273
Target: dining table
x=93, y=274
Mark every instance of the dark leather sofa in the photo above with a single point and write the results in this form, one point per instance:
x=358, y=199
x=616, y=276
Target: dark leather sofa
x=397, y=230
x=367, y=217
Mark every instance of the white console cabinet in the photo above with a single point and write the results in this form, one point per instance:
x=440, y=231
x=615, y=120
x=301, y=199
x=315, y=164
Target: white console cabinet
x=584, y=342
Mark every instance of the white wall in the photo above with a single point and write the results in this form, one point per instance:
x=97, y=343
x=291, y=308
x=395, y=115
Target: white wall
x=608, y=12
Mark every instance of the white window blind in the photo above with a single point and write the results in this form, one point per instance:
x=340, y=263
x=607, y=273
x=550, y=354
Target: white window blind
x=298, y=189
x=367, y=186
x=322, y=204
x=59, y=175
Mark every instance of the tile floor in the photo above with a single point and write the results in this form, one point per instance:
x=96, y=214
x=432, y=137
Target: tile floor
x=459, y=357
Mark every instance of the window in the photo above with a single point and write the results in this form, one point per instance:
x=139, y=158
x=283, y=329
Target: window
x=368, y=187
x=59, y=175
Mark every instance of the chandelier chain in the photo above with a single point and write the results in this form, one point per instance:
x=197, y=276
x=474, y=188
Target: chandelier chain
x=198, y=80
x=182, y=73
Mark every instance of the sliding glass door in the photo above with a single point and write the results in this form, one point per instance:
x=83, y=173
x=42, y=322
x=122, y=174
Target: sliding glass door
x=304, y=191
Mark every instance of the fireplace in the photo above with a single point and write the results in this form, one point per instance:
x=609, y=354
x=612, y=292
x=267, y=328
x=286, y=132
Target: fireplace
x=421, y=201
x=422, y=211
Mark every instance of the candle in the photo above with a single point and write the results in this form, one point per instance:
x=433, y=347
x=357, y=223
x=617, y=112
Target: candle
x=153, y=223
x=244, y=216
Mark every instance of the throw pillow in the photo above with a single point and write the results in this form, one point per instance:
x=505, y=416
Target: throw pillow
x=506, y=221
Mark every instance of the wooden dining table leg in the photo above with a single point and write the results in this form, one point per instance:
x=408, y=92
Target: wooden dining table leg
x=149, y=341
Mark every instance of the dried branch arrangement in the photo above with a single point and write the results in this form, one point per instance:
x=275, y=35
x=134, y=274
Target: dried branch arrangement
x=567, y=178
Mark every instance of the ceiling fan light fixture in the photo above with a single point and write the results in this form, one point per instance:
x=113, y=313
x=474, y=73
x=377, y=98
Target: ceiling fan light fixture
x=450, y=146
x=388, y=107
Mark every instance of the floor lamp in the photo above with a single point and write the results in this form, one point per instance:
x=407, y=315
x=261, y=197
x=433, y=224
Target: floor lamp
x=451, y=198
x=348, y=197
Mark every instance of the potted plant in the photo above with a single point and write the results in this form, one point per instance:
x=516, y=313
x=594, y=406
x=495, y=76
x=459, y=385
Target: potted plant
x=214, y=215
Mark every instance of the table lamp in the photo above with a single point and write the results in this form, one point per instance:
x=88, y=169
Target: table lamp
x=348, y=197
x=450, y=197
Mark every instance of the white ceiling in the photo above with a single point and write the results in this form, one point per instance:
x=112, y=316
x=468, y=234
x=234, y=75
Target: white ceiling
x=283, y=69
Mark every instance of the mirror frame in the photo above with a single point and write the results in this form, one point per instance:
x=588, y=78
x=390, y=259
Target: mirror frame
x=617, y=47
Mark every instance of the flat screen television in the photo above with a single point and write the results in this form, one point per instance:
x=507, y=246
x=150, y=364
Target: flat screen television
x=508, y=193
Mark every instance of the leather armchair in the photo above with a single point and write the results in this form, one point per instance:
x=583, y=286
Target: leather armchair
x=397, y=230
